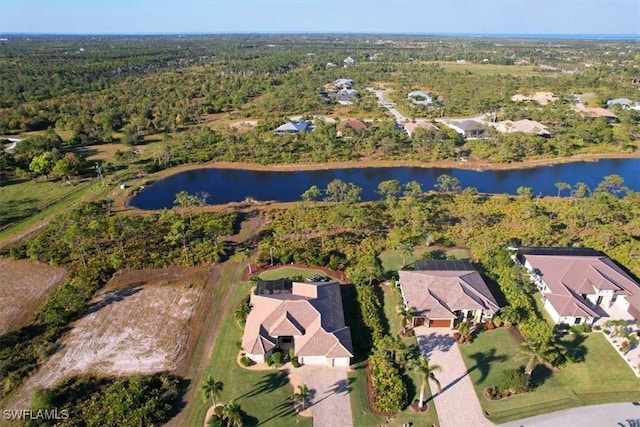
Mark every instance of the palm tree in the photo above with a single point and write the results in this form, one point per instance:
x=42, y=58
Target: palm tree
x=406, y=249
x=538, y=354
x=232, y=413
x=406, y=313
x=210, y=389
x=427, y=372
x=303, y=395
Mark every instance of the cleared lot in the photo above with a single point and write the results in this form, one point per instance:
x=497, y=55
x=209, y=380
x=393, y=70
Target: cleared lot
x=140, y=323
x=23, y=287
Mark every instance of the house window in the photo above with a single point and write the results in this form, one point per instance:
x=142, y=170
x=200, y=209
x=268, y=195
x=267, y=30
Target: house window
x=584, y=296
x=287, y=340
x=578, y=320
x=615, y=296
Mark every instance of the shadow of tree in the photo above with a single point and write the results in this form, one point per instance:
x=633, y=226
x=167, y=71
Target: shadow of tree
x=113, y=296
x=270, y=382
x=435, y=341
x=284, y=409
x=483, y=361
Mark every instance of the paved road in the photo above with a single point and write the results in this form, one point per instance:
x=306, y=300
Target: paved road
x=400, y=118
x=610, y=415
x=457, y=404
x=331, y=405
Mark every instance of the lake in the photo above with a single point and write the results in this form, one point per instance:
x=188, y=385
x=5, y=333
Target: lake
x=234, y=185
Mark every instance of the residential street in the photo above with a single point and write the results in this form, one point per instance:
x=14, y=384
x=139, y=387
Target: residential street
x=610, y=415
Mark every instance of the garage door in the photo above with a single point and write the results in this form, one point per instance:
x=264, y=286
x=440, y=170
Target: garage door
x=440, y=323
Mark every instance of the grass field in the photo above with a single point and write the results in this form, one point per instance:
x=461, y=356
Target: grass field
x=285, y=272
x=602, y=378
x=493, y=69
x=20, y=200
x=392, y=260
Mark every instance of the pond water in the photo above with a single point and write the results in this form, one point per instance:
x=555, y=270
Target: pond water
x=234, y=185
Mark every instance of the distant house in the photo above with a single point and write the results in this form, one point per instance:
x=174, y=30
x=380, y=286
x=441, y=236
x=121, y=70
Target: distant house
x=410, y=127
x=344, y=96
x=349, y=60
x=343, y=83
x=469, y=128
x=596, y=112
x=419, y=97
x=580, y=285
x=330, y=65
x=624, y=103
x=307, y=317
x=291, y=128
x=444, y=293
x=524, y=126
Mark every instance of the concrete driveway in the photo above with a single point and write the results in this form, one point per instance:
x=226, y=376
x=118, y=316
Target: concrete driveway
x=331, y=405
x=457, y=403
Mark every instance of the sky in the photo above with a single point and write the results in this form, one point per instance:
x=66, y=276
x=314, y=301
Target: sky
x=310, y=16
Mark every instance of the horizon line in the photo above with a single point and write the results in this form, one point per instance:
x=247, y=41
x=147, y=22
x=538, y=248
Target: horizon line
x=632, y=36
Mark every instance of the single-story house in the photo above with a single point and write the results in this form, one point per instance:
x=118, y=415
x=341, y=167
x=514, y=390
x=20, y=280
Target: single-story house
x=343, y=83
x=420, y=97
x=410, y=127
x=624, y=103
x=293, y=128
x=580, y=285
x=349, y=60
x=307, y=317
x=596, y=112
x=524, y=126
x=444, y=293
x=353, y=124
x=469, y=128
x=344, y=96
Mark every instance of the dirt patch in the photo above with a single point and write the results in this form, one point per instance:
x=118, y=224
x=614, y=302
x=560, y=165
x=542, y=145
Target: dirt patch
x=23, y=287
x=139, y=323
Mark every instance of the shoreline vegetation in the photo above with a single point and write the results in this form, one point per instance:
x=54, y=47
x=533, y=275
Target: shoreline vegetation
x=121, y=203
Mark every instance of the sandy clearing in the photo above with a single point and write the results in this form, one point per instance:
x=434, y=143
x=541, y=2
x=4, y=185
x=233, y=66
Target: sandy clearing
x=143, y=328
x=23, y=287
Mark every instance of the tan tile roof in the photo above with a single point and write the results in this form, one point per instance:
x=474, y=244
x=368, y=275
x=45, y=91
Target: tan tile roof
x=437, y=294
x=312, y=314
x=571, y=275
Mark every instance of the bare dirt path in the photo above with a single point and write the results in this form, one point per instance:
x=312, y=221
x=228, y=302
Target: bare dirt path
x=207, y=324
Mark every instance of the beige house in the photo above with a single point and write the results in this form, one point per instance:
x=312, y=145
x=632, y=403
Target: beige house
x=524, y=126
x=580, y=285
x=444, y=293
x=307, y=317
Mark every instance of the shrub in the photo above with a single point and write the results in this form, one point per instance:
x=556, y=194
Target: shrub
x=497, y=321
x=513, y=381
x=607, y=331
x=292, y=353
x=389, y=390
x=625, y=346
x=580, y=329
x=275, y=359
x=245, y=361
x=294, y=362
x=597, y=328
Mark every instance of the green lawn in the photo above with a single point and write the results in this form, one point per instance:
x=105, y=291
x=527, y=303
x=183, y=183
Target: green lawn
x=603, y=377
x=392, y=260
x=22, y=199
x=537, y=297
x=284, y=272
x=262, y=395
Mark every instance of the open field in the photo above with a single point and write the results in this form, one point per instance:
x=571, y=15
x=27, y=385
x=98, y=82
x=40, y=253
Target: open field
x=139, y=323
x=23, y=287
x=493, y=69
x=20, y=200
x=601, y=378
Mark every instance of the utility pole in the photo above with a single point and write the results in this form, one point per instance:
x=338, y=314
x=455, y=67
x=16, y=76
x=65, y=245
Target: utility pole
x=99, y=171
